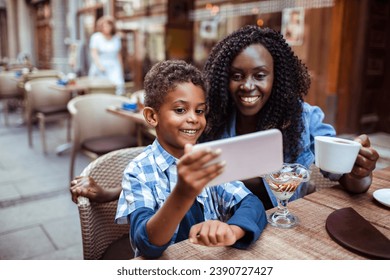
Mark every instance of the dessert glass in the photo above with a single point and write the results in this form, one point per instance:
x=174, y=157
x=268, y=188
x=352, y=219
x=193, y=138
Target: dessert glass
x=283, y=184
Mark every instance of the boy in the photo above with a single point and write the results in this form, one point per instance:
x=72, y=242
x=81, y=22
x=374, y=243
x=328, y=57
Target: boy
x=164, y=196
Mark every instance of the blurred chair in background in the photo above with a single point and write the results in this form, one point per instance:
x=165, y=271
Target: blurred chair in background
x=129, y=88
x=94, y=130
x=101, y=237
x=37, y=74
x=47, y=73
x=45, y=104
x=9, y=91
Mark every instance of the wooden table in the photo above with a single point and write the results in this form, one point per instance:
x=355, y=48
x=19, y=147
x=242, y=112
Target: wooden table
x=141, y=125
x=309, y=240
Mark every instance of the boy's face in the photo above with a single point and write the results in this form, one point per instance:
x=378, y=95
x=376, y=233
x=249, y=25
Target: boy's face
x=181, y=118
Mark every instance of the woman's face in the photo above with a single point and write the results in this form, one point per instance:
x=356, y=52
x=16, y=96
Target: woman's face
x=106, y=28
x=251, y=79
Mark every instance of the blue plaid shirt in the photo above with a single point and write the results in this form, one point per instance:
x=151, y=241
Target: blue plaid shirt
x=150, y=178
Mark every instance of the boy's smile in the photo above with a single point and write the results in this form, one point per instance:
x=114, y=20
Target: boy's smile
x=181, y=118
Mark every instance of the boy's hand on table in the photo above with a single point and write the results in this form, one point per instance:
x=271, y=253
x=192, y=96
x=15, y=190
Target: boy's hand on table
x=215, y=233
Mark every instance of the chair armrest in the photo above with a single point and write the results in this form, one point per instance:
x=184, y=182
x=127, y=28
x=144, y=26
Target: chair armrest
x=98, y=227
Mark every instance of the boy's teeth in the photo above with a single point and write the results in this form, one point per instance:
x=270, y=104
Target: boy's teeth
x=250, y=99
x=192, y=131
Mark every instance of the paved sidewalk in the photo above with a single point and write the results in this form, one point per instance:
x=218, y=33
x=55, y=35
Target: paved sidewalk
x=38, y=220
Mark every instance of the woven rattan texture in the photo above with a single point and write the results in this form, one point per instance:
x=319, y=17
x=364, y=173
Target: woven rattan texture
x=97, y=219
x=318, y=180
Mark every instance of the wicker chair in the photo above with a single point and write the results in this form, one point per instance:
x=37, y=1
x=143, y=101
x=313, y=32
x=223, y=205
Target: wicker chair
x=97, y=219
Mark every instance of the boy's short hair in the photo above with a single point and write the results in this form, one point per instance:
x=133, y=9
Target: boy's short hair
x=164, y=76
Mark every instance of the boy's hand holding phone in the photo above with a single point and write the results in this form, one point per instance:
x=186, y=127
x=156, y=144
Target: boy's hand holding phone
x=193, y=171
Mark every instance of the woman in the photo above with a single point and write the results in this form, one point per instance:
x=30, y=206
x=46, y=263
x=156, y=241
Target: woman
x=255, y=83
x=105, y=48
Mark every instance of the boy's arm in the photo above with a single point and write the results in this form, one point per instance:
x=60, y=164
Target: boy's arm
x=139, y=237
x=161, y=226
x=250, y=216
x=192, y=177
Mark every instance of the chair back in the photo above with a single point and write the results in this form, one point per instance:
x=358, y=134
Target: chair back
x=98, y=228
x=39, y=74
x=90, y=118
x=39, y=94
x=8, y=85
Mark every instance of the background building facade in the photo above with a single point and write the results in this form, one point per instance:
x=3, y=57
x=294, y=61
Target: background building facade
x=344, y=43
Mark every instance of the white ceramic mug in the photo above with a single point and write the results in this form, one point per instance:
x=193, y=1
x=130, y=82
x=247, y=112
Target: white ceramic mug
x=335, y=155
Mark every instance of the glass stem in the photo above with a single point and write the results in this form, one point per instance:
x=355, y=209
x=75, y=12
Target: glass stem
x=282, y=207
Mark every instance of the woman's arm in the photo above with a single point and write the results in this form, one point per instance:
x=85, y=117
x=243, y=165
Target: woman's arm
x=95, y=58
x=120, y=59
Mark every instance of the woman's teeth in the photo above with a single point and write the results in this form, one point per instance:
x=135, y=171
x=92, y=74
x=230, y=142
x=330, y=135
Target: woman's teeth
x=250, y=99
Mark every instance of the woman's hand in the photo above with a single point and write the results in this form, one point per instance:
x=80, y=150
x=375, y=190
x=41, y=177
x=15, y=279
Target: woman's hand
x=360, y=178
x=87, y=187
x=366, y=160
x=215, y=233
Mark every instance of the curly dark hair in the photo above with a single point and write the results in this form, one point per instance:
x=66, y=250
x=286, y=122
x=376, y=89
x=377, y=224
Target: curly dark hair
x=291, y=83
x=164, y=76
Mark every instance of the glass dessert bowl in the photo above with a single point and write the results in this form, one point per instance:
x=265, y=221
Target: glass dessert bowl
x=283, y=184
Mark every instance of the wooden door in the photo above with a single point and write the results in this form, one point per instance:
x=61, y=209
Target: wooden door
x=362, y=62
x=44, y=36
x=374, y=113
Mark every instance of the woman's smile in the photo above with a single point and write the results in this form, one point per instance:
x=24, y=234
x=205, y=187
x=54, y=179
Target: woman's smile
x=250, y=100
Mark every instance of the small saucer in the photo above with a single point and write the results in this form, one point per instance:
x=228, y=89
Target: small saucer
x=383, y=196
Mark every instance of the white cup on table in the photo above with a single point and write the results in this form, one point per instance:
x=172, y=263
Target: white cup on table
x=335, y=155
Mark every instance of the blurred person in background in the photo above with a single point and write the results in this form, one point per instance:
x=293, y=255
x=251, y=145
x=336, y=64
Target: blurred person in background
x=105, y=49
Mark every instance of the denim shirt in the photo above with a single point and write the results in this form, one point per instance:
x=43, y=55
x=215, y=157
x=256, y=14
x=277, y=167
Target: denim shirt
x=313, y=118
